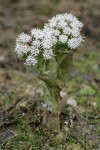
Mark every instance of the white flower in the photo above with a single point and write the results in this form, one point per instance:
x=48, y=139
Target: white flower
x=31, y=60
x=76, y=23
x=36, y=43
x=49, y=39
x=35, y=51
x=46, y=43
x=63, y=39
x=67, y=31
x=35, y=48
x=37, y=33
x=52, y=22
x=75, y=32
x=61, y=24
x=48, y=53
x=22, y=49
x=75, y=42
x=70, y=17
x=56, y=32
x=68, y=27
x=63, y=28
x=24, y=38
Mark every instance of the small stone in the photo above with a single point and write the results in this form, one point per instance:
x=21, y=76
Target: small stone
x=63, y=93
x=94, y=104
x=2, y=58
x=6, y=135
x=66, y=129
x=39, y=91
x=72, y=102
x=52, y=148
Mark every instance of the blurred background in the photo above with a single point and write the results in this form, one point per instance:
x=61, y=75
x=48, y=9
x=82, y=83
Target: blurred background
x=19, y=89
x=17, y=16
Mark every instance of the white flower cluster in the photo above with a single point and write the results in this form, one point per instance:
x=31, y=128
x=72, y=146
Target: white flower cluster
x=63, y=28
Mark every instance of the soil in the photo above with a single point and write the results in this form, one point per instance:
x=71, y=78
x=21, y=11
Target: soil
x=20, y=123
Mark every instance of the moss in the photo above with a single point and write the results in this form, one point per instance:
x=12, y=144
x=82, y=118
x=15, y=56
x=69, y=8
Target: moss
x=7, y=98
x=84, y=86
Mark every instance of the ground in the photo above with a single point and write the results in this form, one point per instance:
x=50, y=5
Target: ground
x=20, y=121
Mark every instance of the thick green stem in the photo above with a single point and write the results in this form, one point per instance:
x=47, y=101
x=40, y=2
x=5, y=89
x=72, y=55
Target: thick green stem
x=55, y=85
x=51, y=120
x=64, y=66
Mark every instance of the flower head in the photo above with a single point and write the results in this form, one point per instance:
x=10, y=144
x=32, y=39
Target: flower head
x=23, y=38
x=48, y=53
x=75, y=42
x=63, y=39
x=63, y=28
x=31, y=61
x=37, y=34
x=22, y=49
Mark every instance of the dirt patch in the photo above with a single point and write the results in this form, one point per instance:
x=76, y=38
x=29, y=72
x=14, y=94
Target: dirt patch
x=19, y=87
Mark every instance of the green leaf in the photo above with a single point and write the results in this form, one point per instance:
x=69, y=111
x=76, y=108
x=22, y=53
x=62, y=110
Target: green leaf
x=64, y=66
x=87, y=91
x=24, y=57
x=41, y=63
x=47, y=65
